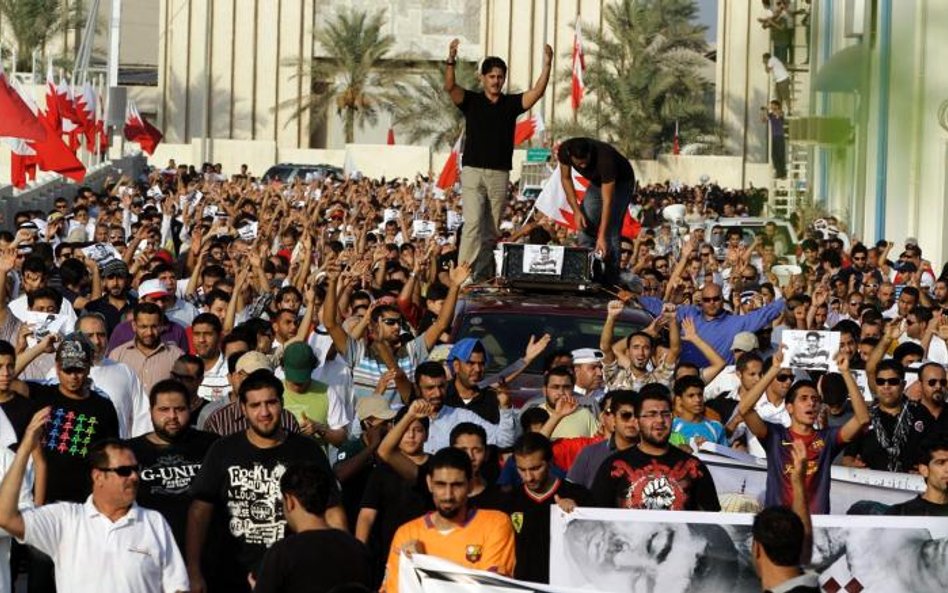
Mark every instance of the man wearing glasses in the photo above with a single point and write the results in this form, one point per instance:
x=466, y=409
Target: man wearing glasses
x=653, y=474
x=717, y=326
x=104, y=543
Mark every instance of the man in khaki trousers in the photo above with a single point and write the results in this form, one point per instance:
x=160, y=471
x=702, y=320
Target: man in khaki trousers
x=490, y=118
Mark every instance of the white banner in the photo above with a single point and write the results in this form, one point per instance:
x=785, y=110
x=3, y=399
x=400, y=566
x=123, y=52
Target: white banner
x=429, y=574
x=741, y=484
x=622, y=551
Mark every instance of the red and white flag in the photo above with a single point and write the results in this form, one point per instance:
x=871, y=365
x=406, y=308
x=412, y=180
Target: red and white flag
x=579, y=67
x=527, y=128
x=675, y=148
x=17, y=120
x=391, y=137
x=51, y=153
x=22, y=162
x=137, y=129
x=91, y=104
x=452, y=167
x=52, y=104
x=552, y=199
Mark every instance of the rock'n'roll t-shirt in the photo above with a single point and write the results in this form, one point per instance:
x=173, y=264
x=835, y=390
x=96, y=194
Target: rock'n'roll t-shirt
x=245, y=480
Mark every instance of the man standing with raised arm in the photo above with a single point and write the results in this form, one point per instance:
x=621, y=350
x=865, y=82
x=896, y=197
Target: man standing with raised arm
x=489, y=121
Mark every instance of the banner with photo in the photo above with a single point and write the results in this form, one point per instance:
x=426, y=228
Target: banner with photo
x=429, y=574
x=621, y=551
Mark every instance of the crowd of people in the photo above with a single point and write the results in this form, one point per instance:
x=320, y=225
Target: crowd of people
x=213, y=384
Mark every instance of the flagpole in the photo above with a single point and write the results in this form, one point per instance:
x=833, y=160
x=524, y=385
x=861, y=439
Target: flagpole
x=546, y=11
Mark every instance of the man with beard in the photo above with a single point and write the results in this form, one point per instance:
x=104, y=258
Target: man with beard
x=933, y=465
x=107, y=542
x=474, y=538
x=620, y=429
x=170, y=456
x=146, y=354
x=557, y=384
x=530, y=505
x=934, y=390
x=240, y=478
x=468, y=359
x=206, y=335
x=803, y=404
x=116, y=302
x=653, y=474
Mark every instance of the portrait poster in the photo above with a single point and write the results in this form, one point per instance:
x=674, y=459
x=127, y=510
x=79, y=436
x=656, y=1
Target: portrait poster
x=810, y=350
x=618, y=551
x=546, y=260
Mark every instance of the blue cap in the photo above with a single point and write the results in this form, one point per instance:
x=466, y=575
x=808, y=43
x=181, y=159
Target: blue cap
x=462, y=350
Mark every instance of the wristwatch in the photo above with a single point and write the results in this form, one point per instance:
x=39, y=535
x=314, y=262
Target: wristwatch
x=450, y=62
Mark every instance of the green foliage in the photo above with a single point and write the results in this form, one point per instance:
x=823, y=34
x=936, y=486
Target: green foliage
x=427, y=112
x=357, y=76
x=32, y=22
x=645, y=68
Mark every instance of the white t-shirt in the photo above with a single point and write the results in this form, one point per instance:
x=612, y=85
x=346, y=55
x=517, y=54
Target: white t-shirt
x=778, y=69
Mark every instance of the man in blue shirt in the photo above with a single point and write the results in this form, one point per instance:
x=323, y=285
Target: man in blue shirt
x=717, y=326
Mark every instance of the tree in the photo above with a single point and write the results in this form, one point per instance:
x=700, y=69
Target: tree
x=645, y=68
x=357, y=75
x=32, y=22
x=427, y=111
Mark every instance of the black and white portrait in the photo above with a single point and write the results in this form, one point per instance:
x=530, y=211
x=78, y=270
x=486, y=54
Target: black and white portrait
x=543, y=259
x=621, y=551
x=810, y=350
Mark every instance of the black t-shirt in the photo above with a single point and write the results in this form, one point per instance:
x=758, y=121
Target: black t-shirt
x=484, y=404
x=530, y=515
x=918, y=506
x=605, y=163
x=244, y=480
x=19, y=411
x=673, y=481
x=314, y=562
x=396, y=501
x=166, y=475
x=74, y=426
x=868, y=448
x=489, y=130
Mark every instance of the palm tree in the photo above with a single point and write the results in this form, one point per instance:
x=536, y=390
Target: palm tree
x=428, y=113
x=646, y=71
x=31, y=23
x=357, y=75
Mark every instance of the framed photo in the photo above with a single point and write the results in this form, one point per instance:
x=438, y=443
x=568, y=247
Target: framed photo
x=810, y=350
x=546, y=260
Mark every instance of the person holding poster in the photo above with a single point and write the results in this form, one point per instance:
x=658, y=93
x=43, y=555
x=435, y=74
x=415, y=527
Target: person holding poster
x=803, y=403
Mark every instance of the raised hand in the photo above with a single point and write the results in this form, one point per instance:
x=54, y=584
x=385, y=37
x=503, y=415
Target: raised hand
x=688, y=330
x=565, y=406
x=420, y=409
x=459, y=273
x=614, y=308
x=842, y=361
x=453, y=49
x=536, y=347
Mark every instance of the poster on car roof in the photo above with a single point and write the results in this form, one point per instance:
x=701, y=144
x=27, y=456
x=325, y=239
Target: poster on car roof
x=543, y=259
x=621, y=551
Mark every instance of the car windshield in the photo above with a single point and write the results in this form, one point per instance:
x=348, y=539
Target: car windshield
x=505, y=335
x=278, y=174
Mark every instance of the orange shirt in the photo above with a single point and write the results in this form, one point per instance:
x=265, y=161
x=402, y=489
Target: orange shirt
x=484, y=542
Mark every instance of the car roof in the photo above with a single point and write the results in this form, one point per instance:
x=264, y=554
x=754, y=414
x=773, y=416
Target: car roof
x=551, y=303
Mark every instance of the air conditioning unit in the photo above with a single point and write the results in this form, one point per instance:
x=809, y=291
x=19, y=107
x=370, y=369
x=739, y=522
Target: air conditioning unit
x=817, y=130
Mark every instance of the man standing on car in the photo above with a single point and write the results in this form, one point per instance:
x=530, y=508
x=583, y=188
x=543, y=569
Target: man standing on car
x=611, y=181
x=489, y=120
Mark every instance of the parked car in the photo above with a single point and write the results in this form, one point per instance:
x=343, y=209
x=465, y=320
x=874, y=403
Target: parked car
x=287, y=172
x=785, y=238
x=504, y=320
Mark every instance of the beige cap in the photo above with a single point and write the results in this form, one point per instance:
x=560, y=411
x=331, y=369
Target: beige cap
x=253, y=361
x=374, y=406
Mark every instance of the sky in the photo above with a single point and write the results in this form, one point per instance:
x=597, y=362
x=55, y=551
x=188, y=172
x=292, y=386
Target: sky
x=708, y=16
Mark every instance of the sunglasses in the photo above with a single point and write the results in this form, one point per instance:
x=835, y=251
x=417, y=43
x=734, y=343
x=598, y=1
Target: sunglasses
x=713, y=299
x=391, y=320
x=123, y=471
x=749, y=278
x=626, y=251
x=871, y=285
x=942, y=382
x=705, y=254
x=892, y=381
x=784, y=378
x=625, y=416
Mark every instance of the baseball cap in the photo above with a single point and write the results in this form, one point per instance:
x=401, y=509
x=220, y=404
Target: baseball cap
x=299, y=362
x=745, y=342
x=253, y=361
x=374, y=406
x=152, y=288
x=75, y=352
x=462, y=350
x=114, y=267
x=587, y=355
